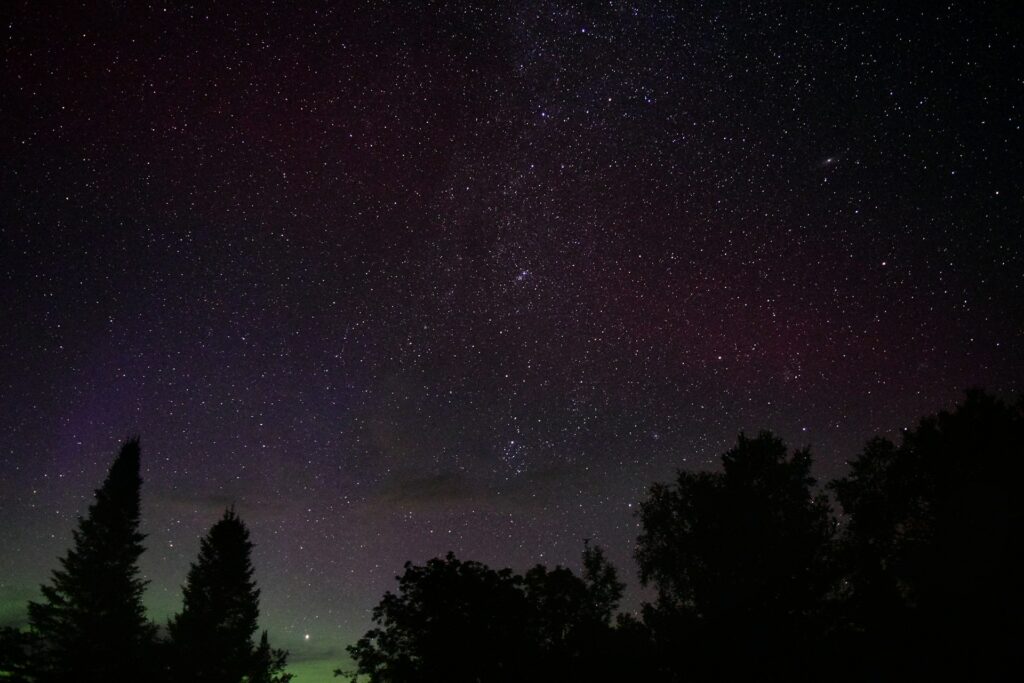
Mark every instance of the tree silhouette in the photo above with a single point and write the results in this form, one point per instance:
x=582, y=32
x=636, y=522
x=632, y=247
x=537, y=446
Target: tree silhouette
x=570, y=630
x=751, y=584
x=737, y=558
x=91, y=625
x=269, y=664
x=14, y=655
x=212, y=637
x=450, y=621
x=604, y=590
x=931, y=546
x=463, y=621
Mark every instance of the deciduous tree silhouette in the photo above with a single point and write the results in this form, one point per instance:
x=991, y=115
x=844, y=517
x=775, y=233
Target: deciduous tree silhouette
x=933, y=539
x=461, y=621
x=604, y=590
x=571, y=630
x=212, y=637
x=450, y=621
x=90, y=625
x=751, y=584
x=737, y=558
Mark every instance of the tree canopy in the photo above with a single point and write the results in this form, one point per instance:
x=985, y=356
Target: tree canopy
x=212, y=639
x=751, y=581
x=737, y=557
x=747, y=540
x=91, y=625
x=932, y=538
x=463, y=621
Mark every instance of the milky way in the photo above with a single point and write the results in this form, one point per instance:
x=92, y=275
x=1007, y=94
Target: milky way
x=398, y=280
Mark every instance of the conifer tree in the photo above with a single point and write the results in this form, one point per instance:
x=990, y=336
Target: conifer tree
x=91, y=625
x=270, y=663
x=15, y=646
x=212, y=638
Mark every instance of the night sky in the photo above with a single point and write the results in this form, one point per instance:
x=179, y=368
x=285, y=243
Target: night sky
x=412, y=277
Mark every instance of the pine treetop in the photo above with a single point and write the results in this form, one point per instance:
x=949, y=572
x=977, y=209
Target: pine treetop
x=91, y=619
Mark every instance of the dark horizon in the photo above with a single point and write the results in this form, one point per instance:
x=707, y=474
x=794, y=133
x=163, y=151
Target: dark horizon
x=401, y=281
x=902, y=568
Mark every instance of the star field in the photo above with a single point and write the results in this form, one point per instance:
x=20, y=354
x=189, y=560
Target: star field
x=404, y=279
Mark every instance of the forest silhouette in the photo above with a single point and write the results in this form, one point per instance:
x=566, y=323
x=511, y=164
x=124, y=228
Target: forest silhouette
x=905, y=568
x=91, y=626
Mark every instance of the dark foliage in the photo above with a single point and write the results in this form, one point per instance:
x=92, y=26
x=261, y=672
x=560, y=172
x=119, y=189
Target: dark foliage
x=269, y=664
x=739, y=561
x=461, y=621
x=570, y=634
x=451, y=620
x=212, y=637
x=15, y=650
x=604, y=590
x=933, y=541
x=90, y=625
x=751, y=583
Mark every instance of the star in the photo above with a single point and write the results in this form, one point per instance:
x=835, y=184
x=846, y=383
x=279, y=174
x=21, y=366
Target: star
x=366, y=275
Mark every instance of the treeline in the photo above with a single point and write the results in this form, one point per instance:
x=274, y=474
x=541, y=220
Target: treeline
x=912, y=572
x=91, y=627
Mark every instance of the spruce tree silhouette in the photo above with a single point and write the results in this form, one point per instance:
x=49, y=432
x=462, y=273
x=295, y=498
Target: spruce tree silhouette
x=14, y=656
x=91, y=625
x=212, y=637
x=738, y=559
x=932, y=546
